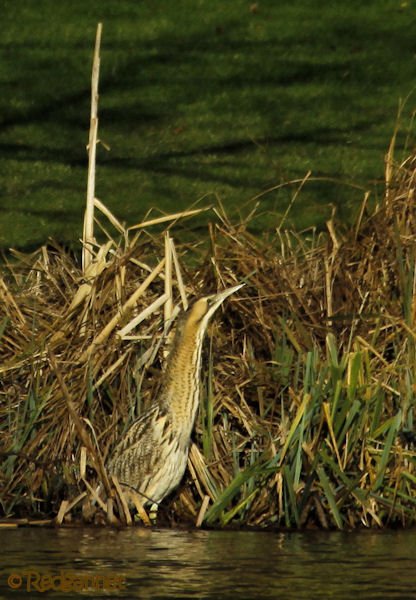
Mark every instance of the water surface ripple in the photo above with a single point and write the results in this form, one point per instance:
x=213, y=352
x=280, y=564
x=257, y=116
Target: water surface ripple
x=159, y=564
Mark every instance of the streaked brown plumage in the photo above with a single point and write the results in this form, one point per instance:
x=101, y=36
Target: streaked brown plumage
x=152, y=456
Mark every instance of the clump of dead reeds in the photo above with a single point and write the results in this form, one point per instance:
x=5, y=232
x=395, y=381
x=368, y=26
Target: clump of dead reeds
x=307, y=416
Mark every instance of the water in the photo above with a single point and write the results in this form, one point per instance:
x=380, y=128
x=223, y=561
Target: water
x=158, y=564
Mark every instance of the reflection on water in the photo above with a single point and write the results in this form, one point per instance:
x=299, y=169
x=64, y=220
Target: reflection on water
x=216, y=564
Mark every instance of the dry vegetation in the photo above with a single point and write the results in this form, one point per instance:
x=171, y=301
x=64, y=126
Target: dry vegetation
x=307, y=415
x=308, y=407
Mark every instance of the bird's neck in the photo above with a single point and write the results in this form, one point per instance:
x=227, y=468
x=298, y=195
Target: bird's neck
x=181, y=388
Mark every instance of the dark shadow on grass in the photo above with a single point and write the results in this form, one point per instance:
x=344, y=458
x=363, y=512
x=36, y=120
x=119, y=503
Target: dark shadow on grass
x=309, y=89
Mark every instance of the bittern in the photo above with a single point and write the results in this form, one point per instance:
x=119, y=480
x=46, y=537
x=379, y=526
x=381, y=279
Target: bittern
x=152, y=456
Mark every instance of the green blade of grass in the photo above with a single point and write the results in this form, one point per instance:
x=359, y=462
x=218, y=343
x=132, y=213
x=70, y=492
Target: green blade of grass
x=350, y=485
x=355, y=365
x=394, y=505
x=300, y=412
x=292, y=497
x=391, y=435
x=224, y=499
x=234, y=511
x=351, y=415
x=326, y=486
x=409, y=476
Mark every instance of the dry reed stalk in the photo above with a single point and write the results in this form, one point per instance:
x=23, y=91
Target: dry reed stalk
x=110, y=216
x=202, y=511
x=129, y=304
x=62, y=512
x=71, y=505
x=95, y=496
x=201, y=476
x=81, y=430
x=9, y=301
x=168, y=278
x=93, y=270
x=178, y=273
x=168, y=218
x=111, y=518
x=161, y=301
x=135, y=498
x=309, y=387
x=88, y=233
x=123, y=501
x=110, y=370
x=83, y=462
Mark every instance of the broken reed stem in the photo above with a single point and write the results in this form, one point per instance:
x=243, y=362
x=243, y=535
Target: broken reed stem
x=88, y=233
x=202, y=511
x=125, y=513
x=179, y=277
x=130, y=303
x=134, y=496
x=167, y=218
x=168, y=278
x=143, y=315
x=109, y=215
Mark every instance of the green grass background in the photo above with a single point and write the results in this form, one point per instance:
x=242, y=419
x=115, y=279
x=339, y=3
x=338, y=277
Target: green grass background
x=198, y=99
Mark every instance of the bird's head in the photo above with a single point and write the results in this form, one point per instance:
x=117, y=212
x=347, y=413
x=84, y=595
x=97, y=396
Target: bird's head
x=202, y=310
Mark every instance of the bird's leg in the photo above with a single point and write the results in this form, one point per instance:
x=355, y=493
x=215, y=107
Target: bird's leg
x=153, y=513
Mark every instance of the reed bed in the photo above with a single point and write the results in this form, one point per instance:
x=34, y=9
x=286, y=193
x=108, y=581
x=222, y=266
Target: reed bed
x=307, y=412
x=308, y=405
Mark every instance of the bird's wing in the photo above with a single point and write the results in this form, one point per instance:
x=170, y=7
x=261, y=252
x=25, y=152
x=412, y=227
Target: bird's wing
x=141, y=442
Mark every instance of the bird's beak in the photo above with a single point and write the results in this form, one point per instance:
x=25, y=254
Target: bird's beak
x=217, y=299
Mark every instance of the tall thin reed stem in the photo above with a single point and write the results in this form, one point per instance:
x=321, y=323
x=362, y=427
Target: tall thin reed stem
x=88, y=234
